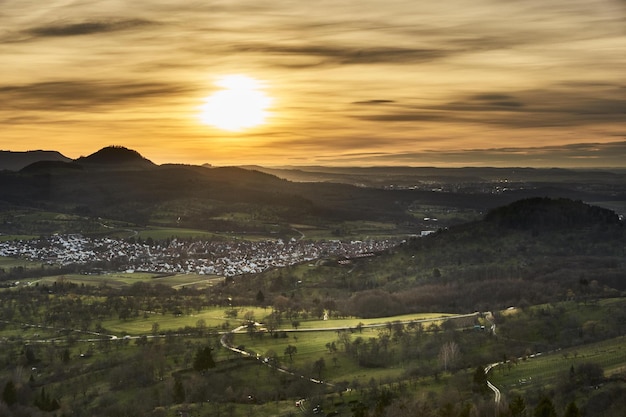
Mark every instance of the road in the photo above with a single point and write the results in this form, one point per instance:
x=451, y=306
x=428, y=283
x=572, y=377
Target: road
x=241, y=329
x=496, y=392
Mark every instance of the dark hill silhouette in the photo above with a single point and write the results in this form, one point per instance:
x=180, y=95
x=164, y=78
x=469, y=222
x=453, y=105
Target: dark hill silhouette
x=511, y=258
x=116, y=156
x=553, y=214
x=50, y=167
x=119, y=183
x=14, y=161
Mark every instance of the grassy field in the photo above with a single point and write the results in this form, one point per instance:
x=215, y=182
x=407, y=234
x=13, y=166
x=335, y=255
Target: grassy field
x=121, y=279
x=311, y=346
x=9, y=262
x=544, y=369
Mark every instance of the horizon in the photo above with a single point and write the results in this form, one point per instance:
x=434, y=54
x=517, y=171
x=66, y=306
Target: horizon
x=335, y=83
x=287, y=166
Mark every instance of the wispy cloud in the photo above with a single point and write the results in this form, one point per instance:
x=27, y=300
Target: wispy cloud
x=522, y=109
x=401, y=79
x=81, y=96
x=345, y=55
x=579, y=155
x=87, y=27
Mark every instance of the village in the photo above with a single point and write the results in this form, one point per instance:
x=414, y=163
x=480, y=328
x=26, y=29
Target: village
x=216, y=257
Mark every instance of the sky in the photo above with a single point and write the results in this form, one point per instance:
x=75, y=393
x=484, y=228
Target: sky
x=348, y=83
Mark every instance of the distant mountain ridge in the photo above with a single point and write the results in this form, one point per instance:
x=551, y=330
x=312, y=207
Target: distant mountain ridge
x=15, y=161
x=109, y=157
x=119, y=183
x=116, y=155
x=553, y=214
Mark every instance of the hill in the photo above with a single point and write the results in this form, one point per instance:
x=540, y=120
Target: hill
x=116, y=157
x=120, y=184
x=479, y=266
x=14, y=161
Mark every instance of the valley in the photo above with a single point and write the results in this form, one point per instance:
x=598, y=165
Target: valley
x=235, y=292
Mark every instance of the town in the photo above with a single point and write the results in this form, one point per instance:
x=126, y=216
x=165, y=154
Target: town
x=216, y=257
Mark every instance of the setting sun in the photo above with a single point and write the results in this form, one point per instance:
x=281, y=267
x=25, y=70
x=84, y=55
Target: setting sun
x=240, y=104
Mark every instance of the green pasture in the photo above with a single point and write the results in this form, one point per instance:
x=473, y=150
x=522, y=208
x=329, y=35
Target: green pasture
x=187, y=280
x=5, y=238
x=121, y=279
x=114, y=280
x=545, y=369
x=378, y=321
x=311, y=346
x=162, y=233
x=7, y=262
x=214, y=317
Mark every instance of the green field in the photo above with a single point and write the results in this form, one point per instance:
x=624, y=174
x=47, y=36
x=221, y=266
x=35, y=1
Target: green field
x=9, y=262
x=121, y=279
x=544, y=369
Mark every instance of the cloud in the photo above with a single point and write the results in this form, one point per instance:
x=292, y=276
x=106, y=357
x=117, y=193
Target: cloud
x=86, y=27
x=345, y=55
x=550, y=107
x=578, y=155
x=374, y=102
x=81, y=95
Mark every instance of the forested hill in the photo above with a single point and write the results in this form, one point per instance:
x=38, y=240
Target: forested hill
x=512, y=257
x=553, y=214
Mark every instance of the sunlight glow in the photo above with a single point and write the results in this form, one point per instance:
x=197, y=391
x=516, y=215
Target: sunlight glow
x=239, y=105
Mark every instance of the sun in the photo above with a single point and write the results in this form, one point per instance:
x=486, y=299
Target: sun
x=240, y=104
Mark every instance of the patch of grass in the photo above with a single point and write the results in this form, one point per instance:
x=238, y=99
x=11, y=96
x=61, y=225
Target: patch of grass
x=114, y=280
x=9, y=262
x=544, y=369
x=163, y=233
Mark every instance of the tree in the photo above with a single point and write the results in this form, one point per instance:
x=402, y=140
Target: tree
x=9, y=394
x=572, y=410
x=203, y=359
x=201, y=325
x=448, y=354
x=479, y=382
x=45, y=403
x=545, y=408
x=260, y=297
x=318, y=367
x=290, y=350
x=249, y=316
x=517, y=406
x=179, y=391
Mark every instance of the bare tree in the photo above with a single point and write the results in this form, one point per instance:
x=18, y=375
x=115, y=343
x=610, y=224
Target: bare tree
x=448, y=354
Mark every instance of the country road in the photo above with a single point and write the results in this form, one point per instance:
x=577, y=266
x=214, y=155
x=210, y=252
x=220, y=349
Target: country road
x=240, y=329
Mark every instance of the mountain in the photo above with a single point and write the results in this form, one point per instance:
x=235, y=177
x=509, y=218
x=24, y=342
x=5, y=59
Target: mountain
x=117, y=157
x=485, y=265
x=14, y=161
x=542, y=213
x=119, y=183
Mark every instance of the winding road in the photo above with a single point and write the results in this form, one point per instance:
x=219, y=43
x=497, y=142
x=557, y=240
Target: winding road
x=240, y=329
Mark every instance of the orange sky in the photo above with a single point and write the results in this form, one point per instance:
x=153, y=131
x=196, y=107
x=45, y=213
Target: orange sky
x=399, y=82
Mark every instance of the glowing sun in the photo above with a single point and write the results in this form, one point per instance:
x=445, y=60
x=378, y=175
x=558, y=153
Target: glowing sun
x=240, y=104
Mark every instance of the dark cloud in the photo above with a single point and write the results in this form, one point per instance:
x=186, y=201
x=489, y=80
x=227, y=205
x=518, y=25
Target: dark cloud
x=343, y=55
x=86, y=28
x=578, y=155
x=80, y=95
x=374, y=102
x=555, y=107
x=406, y=116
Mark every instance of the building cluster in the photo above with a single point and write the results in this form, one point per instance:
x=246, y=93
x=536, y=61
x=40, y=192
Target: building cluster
x=217, y=257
